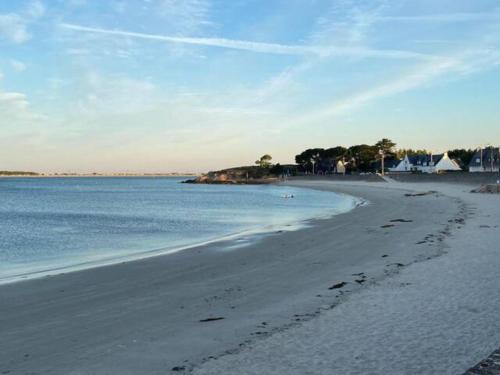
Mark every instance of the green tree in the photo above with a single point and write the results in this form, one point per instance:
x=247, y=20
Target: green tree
x=362, y=156
x=334, y=152
x=264, y=161
x=277, y=169
x=307, y=157
x=464, y=156
x=386, y=145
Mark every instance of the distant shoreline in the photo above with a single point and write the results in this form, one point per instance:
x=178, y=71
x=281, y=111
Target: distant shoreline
x=60, y=175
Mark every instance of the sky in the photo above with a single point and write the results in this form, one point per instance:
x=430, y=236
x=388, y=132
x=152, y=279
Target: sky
x=195, y=85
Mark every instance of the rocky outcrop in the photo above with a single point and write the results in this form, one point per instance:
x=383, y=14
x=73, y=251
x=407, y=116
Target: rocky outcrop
x=236, y=176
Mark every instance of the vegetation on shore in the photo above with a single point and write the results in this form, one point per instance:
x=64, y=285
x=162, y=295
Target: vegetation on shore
x=463, y=155
x=363, y=157
x=261, y=173
x=360, y=158
x=18, y=173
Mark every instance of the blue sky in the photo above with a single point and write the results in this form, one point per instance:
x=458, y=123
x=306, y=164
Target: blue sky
x=193, y=85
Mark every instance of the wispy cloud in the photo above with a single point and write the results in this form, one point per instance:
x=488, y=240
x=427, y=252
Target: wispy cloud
x=99, y=95
x=13, y=97
x=35, y=9
x=469, y=62
x=14, y=26
x=444, y=17
x=419, y=77
x=259, y=47
x=347, y=22
x=15, y=109
x=185, y=17
x=351, y=24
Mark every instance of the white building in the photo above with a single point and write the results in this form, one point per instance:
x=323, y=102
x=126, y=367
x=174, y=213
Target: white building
x=340, y=167
x=427, y=164
x=403, y=166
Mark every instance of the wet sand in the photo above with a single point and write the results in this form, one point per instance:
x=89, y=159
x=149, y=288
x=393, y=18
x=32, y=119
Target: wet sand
x=163, y=314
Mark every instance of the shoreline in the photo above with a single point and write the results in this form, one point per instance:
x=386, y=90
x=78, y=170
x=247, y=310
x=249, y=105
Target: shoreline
x=124, y=175
x=284, y=281
x=229, y=240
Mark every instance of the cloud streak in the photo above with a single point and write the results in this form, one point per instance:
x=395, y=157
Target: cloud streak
x=259, y=47
x=449, y=17
x=420, y=77
x=469, y=62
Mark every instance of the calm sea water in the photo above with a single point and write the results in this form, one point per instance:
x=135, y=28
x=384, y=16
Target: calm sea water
x=53, y=223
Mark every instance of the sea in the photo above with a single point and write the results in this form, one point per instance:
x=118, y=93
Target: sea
x=54, y=225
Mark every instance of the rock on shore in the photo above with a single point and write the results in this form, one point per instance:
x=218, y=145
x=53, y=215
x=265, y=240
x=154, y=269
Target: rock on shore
x=241, y=175
x=488, y=189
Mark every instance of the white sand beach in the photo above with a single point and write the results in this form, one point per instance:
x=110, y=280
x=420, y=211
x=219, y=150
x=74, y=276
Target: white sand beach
x=420, y=297
x=439, y=316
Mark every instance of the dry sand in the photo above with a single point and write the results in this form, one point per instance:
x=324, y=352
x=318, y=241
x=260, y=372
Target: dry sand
x=402, y=310
x=435, y=317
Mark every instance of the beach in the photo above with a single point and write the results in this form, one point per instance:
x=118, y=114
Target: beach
x=406, y=284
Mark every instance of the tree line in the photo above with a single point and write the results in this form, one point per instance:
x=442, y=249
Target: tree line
x=364, y=157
